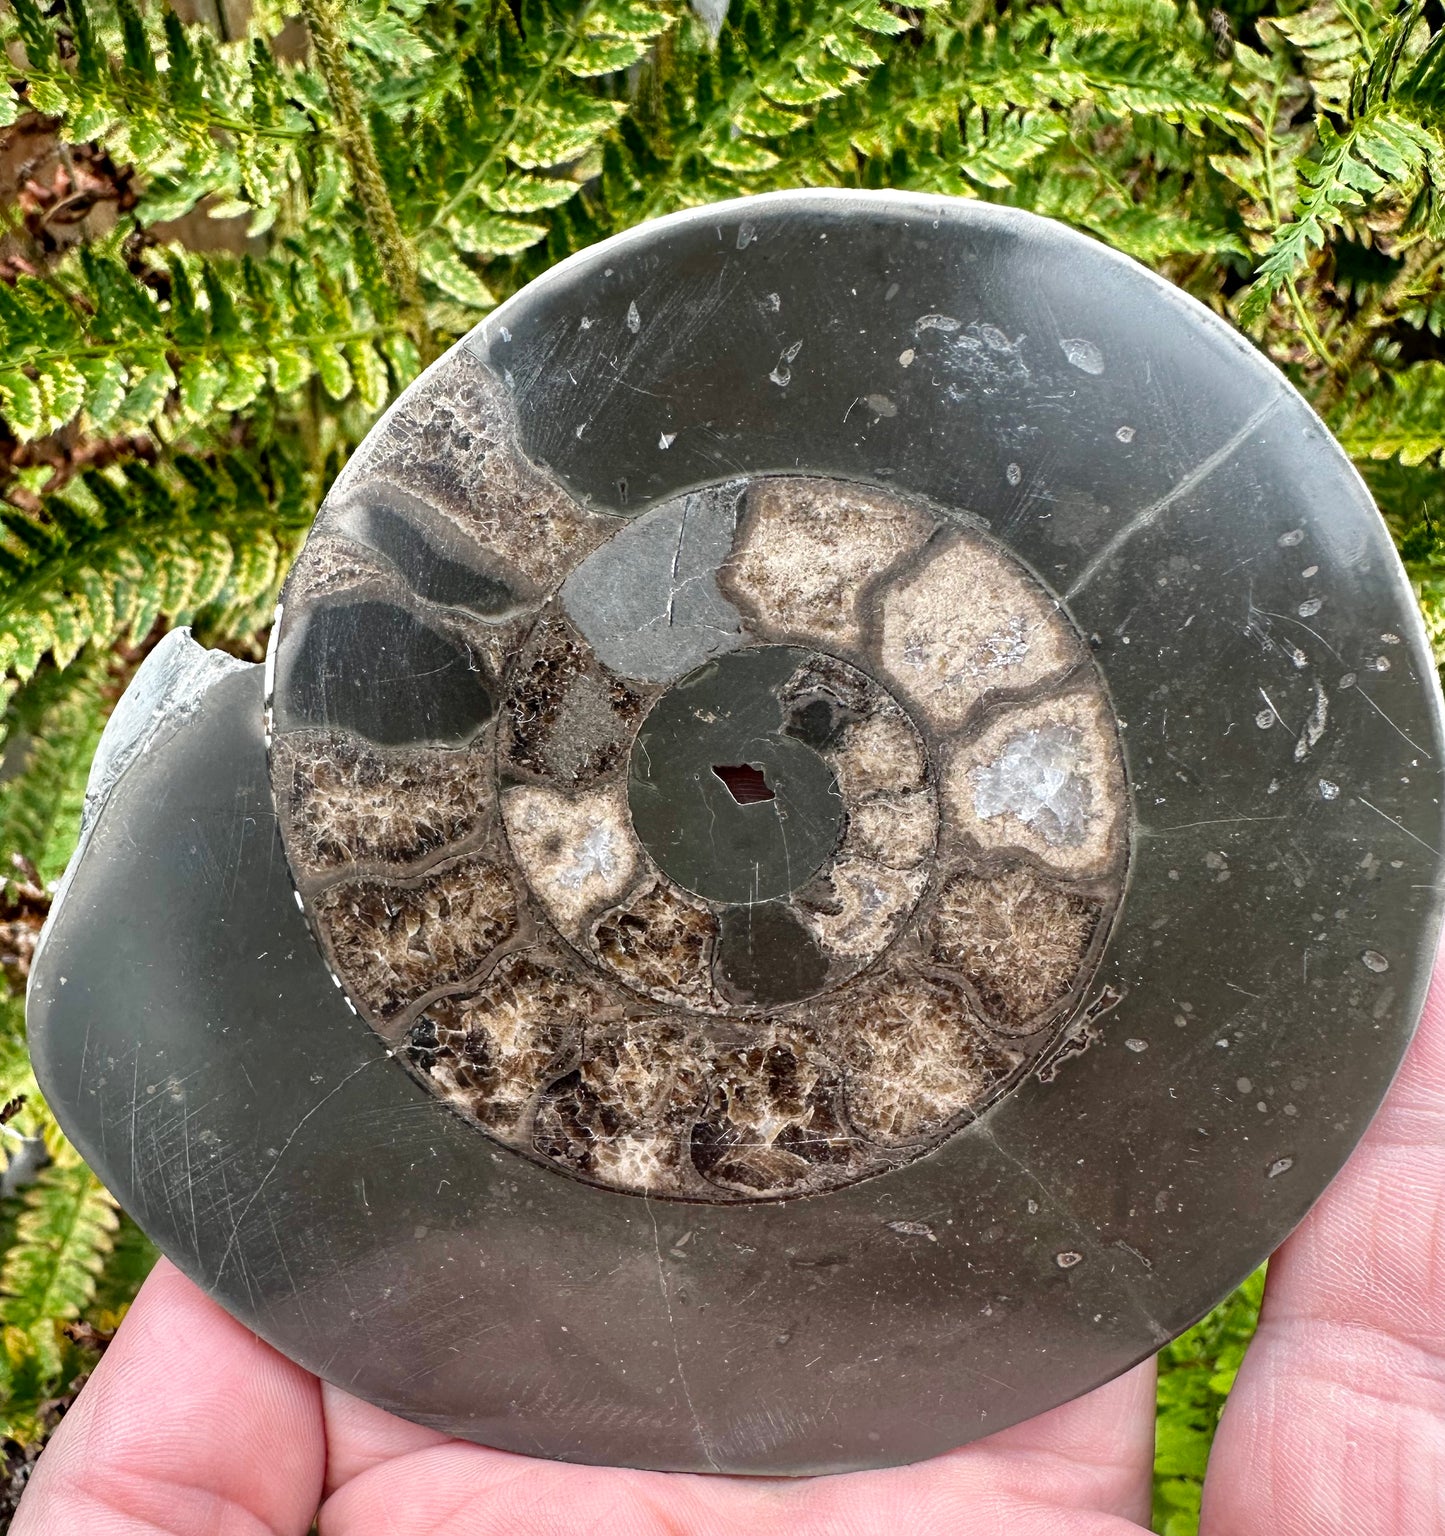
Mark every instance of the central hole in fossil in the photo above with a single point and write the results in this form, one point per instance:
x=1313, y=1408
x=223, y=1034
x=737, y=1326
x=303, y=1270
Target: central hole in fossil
x=746, y=784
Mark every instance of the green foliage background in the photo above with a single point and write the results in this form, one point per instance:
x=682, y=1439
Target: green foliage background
x=229, y=239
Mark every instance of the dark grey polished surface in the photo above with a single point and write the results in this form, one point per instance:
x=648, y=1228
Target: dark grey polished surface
x=1279, y=720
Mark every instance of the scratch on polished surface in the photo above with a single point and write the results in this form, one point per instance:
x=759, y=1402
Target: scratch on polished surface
x=666, y=1290
x=255, y=1194
x=1146, y=517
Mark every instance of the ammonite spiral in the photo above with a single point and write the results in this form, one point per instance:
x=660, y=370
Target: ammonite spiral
x=743, y=848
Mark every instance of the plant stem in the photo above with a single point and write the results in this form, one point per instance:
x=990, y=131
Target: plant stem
x=1270, y=118
x=1307, y=328
x=125, y=347
x=398, y=259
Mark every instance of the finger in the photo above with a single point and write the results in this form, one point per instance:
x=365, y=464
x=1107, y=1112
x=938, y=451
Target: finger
x=1110, y=1431
x=1081, y=1470
x=1337, y=1421
x=360, y=1436
x=190, y=1426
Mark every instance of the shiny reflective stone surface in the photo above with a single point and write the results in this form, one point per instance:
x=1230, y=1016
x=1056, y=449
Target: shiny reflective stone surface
x=802, y=767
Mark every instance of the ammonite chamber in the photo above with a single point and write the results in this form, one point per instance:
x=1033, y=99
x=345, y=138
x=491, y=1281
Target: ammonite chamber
x=838, y=836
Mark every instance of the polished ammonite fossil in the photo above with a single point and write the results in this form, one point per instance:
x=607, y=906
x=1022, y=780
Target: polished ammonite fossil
x=839, y=834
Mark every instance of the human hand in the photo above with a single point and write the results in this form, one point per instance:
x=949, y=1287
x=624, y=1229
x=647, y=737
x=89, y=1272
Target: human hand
x=191, y=1426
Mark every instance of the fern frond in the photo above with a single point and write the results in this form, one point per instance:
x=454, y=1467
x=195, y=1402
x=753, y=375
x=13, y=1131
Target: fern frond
x=1400, y=416
x=1380, y=137
x=1378, y=150
x=63, y=1235
x=1330, y=39
x=131, y=1259
x=533, y=125
x=773, y=72
x=17, y=1080
x=209, y=536
x=53, y=728
x=200, y=334
x=204, y=117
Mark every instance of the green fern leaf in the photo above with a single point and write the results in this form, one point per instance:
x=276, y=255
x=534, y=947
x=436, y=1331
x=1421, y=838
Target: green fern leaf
x=104, y=379
x=764, y=120
x=368, y=370
x=62, y=1238
x=484, y=234
x=1400, y=418
x=1330, y=42
x=54, y=727
x=872, y=17
x=628, y=18
x=527, y=194
x=247, y=378
x=290, y=369
x=441, y=265
x=557, y=130
x=144, y=398
x=131, y=1259
x=214, y=558
x=62, y=392
x=202, y=380
x=23, y=404
x=604, y=55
